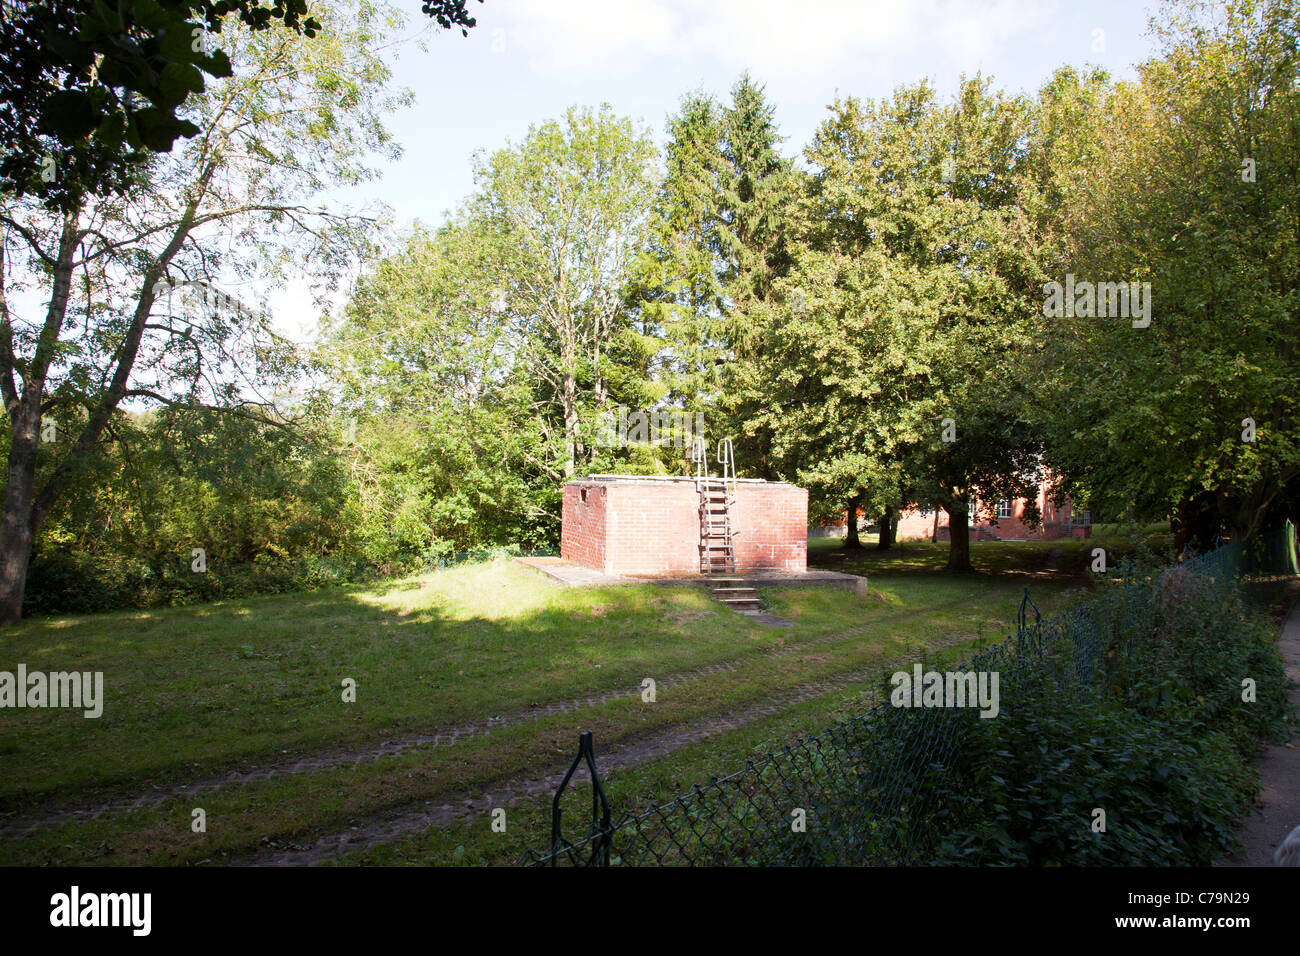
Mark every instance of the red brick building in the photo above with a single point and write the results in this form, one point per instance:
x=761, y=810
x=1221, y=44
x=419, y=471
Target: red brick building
x=999, y=521
x=647, y=525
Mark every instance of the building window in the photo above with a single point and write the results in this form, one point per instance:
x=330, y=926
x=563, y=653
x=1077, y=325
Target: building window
x=971, y=513
x=1085, y=518
x=1004, y=508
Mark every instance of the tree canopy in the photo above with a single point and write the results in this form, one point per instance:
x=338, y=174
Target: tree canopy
x=943, y=299
x=88, y=90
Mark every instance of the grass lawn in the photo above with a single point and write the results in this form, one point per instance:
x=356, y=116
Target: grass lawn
x=472, y=685
x=1000, y=558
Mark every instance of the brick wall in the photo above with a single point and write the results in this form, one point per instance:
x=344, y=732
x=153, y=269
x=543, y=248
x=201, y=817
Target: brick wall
x=583, y=517
x=652, y=526
x=914, y=525
x=770, y=527
x=1056, y=523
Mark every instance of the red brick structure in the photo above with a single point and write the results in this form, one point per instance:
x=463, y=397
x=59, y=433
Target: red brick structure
x=999, y=521
x=646, y=525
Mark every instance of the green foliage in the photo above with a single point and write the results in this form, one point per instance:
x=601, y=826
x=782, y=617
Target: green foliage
x=1156, y=733
x=433, y=402
x=72, y=583
x=828, y=320
x=568, y=208
x=909, y=284
x=98, y=88
x=676, y=286
x=1186, y=179
x=232, y=203
x=1052, y=759
x=717, y=242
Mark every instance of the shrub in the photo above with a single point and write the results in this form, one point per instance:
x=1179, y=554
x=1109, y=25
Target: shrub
x=1039, y=771
x=1133, y=707
x=60, y=582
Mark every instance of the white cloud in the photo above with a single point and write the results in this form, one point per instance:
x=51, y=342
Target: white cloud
x=560, y=36
x=795, y=45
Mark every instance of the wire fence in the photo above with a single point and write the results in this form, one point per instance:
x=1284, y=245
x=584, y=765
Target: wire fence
x=878, y=787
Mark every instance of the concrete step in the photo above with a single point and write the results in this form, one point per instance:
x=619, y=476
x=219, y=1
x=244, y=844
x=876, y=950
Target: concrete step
x=735, y=593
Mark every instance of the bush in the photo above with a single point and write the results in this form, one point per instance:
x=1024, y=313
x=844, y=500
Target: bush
x=1041, y=770
x=1129, y=529
x=61, y=582
x=1134, y=707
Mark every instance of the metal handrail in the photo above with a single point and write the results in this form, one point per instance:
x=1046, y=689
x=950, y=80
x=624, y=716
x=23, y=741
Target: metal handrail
x=726, y=458
x=700, y=455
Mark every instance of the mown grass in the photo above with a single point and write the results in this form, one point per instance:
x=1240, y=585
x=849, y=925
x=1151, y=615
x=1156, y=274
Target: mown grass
x=473, y=842
x=1068, y=558
x=189, y=689
x=290, y=809
x=192, y=692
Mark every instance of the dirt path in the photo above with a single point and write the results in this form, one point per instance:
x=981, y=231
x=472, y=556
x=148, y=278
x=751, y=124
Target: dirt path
x=1277, y=808
x=19, y=826
x=626, y=755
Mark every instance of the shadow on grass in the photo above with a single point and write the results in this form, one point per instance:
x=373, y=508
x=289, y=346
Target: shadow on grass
x=193, y=690
x=1063, y=560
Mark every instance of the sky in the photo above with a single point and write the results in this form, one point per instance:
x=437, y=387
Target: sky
x=527, y=61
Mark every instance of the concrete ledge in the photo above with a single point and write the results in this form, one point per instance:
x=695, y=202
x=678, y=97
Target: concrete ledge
x=772, y=579
x=572, y=575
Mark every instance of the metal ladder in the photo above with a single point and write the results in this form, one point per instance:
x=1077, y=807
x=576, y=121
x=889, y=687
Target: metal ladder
x=717, y=495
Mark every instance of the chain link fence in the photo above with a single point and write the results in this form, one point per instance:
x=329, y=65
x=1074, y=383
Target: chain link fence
x=879, y=787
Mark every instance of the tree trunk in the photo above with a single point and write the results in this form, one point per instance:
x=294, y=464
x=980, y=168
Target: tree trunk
x=569, y=405
x=888, y=527
x=1197, y=523
x=16, y=525
x=959, y=537
x=851, y=539
x=22, y=516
